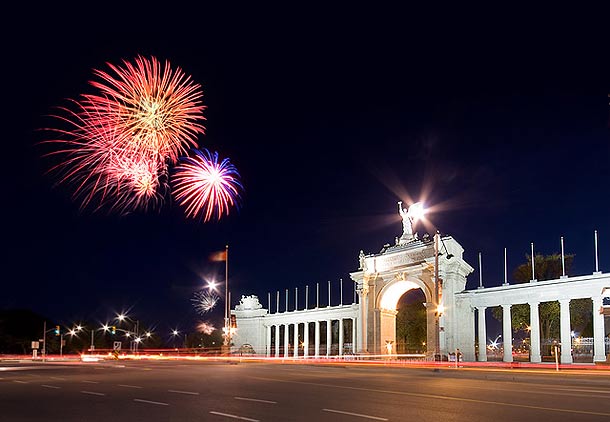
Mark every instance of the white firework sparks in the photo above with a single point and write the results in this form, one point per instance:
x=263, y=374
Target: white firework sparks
x=204, y=301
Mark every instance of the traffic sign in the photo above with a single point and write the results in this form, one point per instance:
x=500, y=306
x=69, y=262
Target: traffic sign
x=116, y=345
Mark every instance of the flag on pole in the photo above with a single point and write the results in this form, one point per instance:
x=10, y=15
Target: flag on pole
x=218, y=256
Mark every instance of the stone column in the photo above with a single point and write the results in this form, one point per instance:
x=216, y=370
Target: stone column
x=296, y=340
x=340, y=336
x=482, y=335
x=328, y=336
x=268, y=341
x=286, y=340
x=565, y=331
x=354, y=322
x=599, y=352
x=507, y=333
x=306, y=340
x=362, y=334
x=535, y=332
x=277, y=340
x=316, y=339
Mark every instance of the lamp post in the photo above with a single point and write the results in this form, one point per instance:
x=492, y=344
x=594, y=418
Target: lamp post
x=437, y=298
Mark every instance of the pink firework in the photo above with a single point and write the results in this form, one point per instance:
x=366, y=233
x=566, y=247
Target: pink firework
x=206, y=187
x=205, y=327
x=119, y=142
x=159, y=107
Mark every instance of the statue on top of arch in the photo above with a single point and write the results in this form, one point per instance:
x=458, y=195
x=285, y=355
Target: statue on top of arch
x=408, y=220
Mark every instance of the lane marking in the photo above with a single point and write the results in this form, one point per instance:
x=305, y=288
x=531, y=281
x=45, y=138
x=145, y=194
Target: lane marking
x=91, y=382
x=95, y=393
x=129, y=386
x=151, y=402
x=20, y=382
x=437, y=396
x=360, y=415
x=581, y=390
x=58, y=378
x=256, y=400
x=49, y=386
x=193, y=393
x=243, y=418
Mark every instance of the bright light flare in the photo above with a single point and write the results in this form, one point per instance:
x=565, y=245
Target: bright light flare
x=417, y=211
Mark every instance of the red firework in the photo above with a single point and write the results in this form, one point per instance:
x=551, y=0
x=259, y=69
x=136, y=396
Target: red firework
x=121, y=140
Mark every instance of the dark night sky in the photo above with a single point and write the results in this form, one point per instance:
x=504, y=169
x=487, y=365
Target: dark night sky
x=331, y=117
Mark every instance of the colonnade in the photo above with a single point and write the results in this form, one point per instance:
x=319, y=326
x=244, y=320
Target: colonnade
x=565, y=331
x=277, y=331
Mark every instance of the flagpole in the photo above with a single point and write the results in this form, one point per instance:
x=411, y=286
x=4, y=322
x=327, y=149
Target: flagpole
x=227, y=328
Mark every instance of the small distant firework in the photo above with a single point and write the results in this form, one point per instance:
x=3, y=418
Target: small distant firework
x=206, y=187
x=205, y=327
x=204, y=301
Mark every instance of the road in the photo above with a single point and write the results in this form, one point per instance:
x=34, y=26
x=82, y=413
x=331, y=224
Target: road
x=260, y=391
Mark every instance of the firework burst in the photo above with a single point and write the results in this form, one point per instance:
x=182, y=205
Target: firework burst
x=204, y=301
x=206, y=187
x=120, y=141
x=205, y=327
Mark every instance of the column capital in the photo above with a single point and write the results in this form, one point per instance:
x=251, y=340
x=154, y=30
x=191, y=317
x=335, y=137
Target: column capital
x=564, y=301
x=481, y=308
x=533, y=302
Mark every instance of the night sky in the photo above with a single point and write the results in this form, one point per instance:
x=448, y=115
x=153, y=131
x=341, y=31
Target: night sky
x=331, y=117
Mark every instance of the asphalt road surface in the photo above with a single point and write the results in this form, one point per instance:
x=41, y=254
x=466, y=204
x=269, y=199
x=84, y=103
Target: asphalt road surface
x=254, y=391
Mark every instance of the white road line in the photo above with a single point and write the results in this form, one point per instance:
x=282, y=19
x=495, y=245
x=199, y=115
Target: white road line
x=129, y=386
x=93, y=393
x=151, y=402
x=580, y=390
x=193, y=393
x=256, y=400
x=243, y=418
x=91, y=382
x=20, y=382
x=58, y=378
x=360, y=415
x=49, y=386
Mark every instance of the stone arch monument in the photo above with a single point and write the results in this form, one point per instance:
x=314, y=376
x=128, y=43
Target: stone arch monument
x=413, y=263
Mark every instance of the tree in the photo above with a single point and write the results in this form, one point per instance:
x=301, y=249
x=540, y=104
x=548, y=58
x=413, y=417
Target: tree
x=411, y=326
x=547, y=267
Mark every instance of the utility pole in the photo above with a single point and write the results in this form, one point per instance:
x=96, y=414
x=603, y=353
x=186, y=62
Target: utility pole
x=44, y=341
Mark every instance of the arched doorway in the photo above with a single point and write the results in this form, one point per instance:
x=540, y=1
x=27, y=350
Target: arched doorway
x=387, y=303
